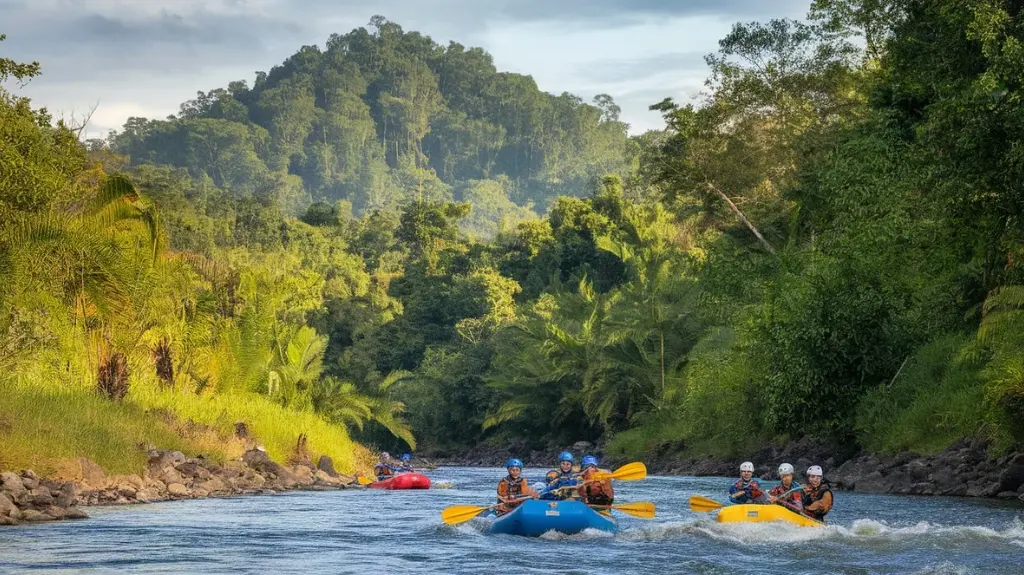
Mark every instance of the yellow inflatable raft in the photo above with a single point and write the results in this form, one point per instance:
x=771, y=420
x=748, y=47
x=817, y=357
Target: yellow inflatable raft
x=762, y=513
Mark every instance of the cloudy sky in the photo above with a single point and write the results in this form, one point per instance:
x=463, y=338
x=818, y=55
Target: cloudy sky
x=145, y=57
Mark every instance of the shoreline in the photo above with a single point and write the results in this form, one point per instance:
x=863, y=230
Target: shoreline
x=964, y=469
x=169, y=476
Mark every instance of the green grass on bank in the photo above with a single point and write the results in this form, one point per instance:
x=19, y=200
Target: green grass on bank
x=47, y=426
x=276, y=427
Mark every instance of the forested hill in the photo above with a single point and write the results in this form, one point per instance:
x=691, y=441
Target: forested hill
x=379, y=116
x=828, y=243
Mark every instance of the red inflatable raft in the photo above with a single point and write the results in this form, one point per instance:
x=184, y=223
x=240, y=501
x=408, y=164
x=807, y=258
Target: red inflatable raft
x=404, y=481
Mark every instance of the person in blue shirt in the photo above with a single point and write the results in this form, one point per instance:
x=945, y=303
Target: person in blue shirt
x=747, y=489
x=406, y=465
x=559, y=481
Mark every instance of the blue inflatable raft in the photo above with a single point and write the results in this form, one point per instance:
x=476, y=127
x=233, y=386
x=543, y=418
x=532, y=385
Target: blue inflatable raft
x=534, y=518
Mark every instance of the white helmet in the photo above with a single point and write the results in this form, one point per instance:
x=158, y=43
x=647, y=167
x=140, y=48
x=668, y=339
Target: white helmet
x=785, y=469
x=747, y=466
x=814, y=470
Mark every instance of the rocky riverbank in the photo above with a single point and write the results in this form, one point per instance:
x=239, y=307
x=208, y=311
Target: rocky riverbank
x=169, y=475
x=964, y=469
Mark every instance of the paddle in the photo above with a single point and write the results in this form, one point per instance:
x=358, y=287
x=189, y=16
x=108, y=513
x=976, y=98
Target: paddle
x=362, y=480
x=702, y=504
x=455, y=514
x=642, y=509
x=628, y=472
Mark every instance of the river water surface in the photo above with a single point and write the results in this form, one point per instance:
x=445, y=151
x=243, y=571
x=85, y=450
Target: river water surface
x=401, y=532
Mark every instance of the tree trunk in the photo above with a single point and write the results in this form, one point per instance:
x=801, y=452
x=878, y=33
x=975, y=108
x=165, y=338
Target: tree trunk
x=742, y=217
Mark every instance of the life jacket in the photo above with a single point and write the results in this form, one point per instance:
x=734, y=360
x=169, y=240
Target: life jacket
x=556, y=479
x=793, y=500
x=383, y=471
x=752, y=488
x=811, y=496
x=596, y=492
x=509, y=488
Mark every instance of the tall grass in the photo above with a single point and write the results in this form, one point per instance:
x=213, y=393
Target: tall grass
x=937, y=399
x=46, y=427
x=46, y=423
x=275, y=426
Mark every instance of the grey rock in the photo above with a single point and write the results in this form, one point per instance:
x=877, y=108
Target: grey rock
x=326, y=464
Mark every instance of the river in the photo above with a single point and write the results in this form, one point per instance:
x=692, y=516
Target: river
x=401, y=532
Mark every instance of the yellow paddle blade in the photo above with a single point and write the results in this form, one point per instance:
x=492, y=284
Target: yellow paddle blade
x=629, y=472
x=363, y=481
x=461, y=513
x=642, y=509
x=702, y=504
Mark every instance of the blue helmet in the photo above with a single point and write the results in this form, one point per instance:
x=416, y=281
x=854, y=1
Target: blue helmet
x=513, y=463
x=566, y=456
x=589, y=460
x=406, y=457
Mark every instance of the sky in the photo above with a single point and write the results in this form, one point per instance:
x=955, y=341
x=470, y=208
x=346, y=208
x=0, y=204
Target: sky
x=145, y=57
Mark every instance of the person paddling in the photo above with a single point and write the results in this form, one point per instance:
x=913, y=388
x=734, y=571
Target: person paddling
x=561, y=479
x=384, y=469
x=787, y=493
x=747, y=489
x=406, y=465
x=513, y=487
x=817, y=496
x=594, y=492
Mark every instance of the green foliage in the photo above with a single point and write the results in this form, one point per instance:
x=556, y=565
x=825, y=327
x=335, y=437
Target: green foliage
x=380, y=118
x=936, y=398
x=828, y=242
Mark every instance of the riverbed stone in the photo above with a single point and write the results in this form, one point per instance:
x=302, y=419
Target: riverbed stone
x=33, y=516
x=41, y=497
x=1012, y=477
x=12, y=484
x=177, y=489
x=6, y=505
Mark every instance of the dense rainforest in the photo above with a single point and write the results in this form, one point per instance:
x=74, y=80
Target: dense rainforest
x=391, y=237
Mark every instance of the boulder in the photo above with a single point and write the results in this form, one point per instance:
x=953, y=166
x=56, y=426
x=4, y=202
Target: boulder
x=918, y=470
x=41, y=497
x=7, y=507
x=30, y=481
x=1012, y=477
x=92, y=475
x=177, y=489
x=326, y=464
x=873, y=482
x=213, y=485
x=75, y=513
x=147, y=495
x=65, y=494
x=12, y=484
x=32, y=516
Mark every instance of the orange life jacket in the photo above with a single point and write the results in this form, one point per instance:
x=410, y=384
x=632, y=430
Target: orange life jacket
x=596, y=492
x=509, y=488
